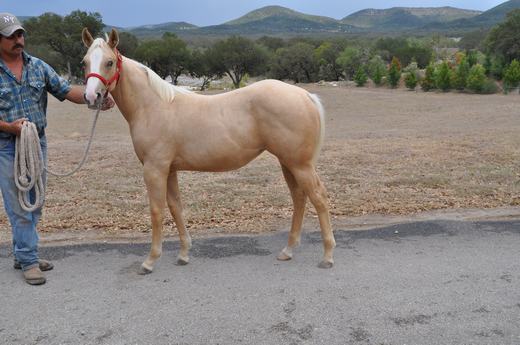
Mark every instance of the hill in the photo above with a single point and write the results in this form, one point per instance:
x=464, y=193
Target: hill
x=484, y=20
x=158, y=30
x=278, y=11
x=273, y=20
x=400, y=18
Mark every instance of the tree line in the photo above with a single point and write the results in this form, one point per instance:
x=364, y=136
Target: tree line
x=390, y=61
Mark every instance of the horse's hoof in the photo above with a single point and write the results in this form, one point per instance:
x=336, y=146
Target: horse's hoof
x=326, y=264
x=182, y=262
x=144, y=271
x=283, y=257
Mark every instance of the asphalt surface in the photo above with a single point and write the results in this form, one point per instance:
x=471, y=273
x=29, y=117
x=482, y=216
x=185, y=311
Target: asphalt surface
x=439, y=282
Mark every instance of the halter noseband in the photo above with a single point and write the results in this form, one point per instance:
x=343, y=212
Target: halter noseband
x=115, y=77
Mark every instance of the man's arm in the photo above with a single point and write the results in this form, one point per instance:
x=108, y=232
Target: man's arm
x=14, y=127
x=75, y=94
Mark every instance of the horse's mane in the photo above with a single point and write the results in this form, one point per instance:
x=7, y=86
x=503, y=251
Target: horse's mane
x=165, y=90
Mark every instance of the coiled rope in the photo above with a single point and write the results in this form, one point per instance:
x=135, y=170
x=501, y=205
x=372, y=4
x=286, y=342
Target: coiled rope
x=29, y=165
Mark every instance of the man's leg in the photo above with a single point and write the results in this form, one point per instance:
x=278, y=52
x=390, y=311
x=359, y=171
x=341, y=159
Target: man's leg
x=23, y=224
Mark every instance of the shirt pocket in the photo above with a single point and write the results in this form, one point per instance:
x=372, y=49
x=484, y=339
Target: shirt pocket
x=6, y=99
x=36, y=89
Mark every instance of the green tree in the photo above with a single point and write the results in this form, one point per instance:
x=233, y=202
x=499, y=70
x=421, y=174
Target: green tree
x=63, y=36
x=377, y=69
x=406, y=50
x=472, y=56
x=428, y=82
x=503, y=39
x=128, y=44
x=202, y=66
x=238, y=56
x=443, y=76
x=512, y=76
x=326, y=55
x=350, y=59
x=476, y=78
x=272, y=43
x=360, y=77
x=461, y=74
x=394, y=72
x=495, y=66
x=411, y=78
x=296, y=62
x=168, y=56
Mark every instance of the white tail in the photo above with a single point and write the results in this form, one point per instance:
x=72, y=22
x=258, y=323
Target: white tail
x=316, y=100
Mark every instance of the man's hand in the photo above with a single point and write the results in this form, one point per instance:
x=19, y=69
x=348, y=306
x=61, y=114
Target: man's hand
x=108, y=103
x=15, y=127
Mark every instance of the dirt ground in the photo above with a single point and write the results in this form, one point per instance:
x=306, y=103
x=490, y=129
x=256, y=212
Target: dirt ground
x=387, y=153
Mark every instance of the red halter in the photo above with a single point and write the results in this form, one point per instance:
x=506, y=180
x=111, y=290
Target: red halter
x=115, y=77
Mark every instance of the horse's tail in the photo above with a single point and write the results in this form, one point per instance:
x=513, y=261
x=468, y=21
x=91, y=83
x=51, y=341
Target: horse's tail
x=316, y=100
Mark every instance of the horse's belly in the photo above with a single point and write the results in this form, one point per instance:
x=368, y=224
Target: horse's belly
x=213, y=161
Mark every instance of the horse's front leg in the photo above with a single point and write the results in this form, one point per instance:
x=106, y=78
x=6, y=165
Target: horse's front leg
x=155, y=179
x=175, y=205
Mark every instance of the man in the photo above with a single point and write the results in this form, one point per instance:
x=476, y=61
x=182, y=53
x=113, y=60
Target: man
x=24, y=83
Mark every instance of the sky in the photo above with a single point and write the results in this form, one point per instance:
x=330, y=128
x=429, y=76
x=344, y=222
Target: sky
x=127, y=13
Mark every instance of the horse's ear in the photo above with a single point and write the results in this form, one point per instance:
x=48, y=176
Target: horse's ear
x=87, y=38
x=113, y=39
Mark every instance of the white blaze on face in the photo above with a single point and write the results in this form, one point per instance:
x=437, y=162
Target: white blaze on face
x=94, y=85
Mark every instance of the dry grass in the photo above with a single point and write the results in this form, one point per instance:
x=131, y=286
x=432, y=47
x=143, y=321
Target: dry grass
x=387, y=152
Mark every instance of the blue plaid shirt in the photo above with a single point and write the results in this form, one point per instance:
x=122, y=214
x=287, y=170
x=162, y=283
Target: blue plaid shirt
x=28, y=98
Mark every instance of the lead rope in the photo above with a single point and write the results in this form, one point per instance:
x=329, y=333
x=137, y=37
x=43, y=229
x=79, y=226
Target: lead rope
x=29, y=165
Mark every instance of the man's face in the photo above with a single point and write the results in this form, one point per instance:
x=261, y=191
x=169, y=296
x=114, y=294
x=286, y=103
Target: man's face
x=13, y=45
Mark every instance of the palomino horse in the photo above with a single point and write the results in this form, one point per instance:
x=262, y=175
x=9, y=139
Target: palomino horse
x=173, y=130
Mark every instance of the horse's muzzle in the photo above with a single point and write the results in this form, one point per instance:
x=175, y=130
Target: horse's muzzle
x=97, y=102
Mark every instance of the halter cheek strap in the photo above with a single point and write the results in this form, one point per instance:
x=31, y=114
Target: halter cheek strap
x=115, y=77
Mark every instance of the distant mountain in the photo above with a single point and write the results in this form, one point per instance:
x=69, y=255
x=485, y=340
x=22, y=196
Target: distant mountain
x=158, y=30
x=278, y=20
x=279, y=11
x=484, y=20
x=400, y=18
x=23, y=18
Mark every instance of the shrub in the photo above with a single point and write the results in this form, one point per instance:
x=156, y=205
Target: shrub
x=411, y=77
x=377, y=70
x=496, y=67
x=443, y=77
x=461, y=74
x=476, y=78
x=512, y=76
x=489, y=87
x=394, y=72
x=360, y=77
x=410, y=80
x=428, y=83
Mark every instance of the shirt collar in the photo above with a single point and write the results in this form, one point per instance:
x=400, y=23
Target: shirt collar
x=26, y=58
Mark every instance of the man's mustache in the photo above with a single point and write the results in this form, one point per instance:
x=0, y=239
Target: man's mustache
x=17, y=45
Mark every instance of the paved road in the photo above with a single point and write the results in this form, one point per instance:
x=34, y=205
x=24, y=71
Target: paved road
x=440, y=282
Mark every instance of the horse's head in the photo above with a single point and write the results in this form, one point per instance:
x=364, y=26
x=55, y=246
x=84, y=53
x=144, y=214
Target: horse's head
x=102, y=66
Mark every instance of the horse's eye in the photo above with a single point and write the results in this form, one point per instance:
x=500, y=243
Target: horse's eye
x=110, y=63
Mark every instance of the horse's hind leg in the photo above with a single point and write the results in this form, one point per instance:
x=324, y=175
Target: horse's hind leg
x=175, y=206
x=299, y=199
x=308, y=179
x=155, y=180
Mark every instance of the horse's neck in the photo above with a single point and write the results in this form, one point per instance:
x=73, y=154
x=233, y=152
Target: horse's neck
x=131, y=93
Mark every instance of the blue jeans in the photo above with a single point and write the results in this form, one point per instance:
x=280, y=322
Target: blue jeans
x=23, y=224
